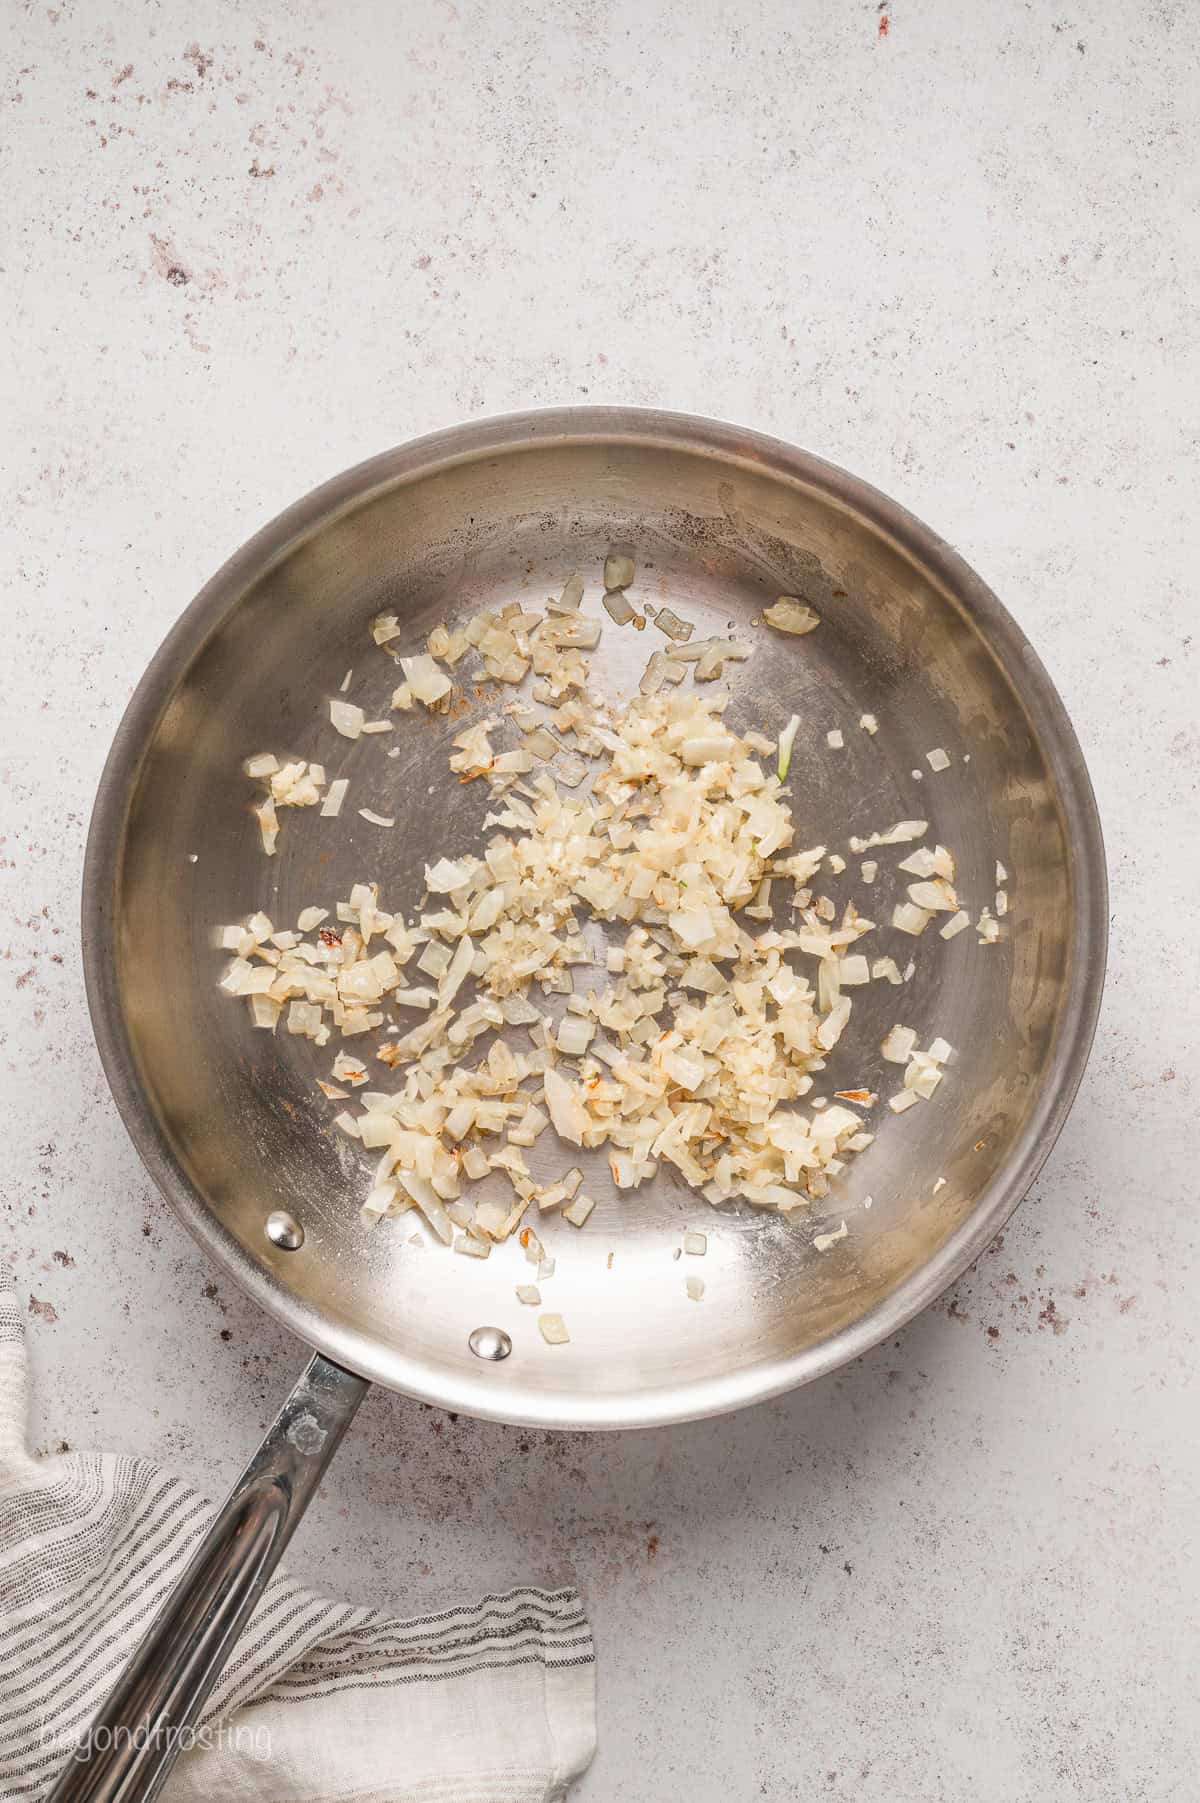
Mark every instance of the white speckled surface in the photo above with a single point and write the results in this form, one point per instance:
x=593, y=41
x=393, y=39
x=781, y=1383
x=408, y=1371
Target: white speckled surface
x=242, y=248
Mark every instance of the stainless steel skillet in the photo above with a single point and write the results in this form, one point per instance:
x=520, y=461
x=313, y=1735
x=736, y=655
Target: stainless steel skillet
x=720, y=520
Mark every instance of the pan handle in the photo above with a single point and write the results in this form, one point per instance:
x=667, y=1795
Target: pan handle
x=135, y=1739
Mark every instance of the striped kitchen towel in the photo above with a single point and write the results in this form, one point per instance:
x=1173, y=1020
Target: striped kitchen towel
x=491, y=1702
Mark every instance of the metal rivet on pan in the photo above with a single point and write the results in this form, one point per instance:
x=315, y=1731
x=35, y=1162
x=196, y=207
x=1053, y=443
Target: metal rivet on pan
x=490, y=1343
x=284, y=1231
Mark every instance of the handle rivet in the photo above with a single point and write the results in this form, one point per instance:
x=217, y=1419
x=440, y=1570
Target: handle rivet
x=490, y=1343
x=284, y=1231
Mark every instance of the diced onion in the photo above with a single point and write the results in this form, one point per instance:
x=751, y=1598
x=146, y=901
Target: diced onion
x=934, y=896
x=823, y=1241
x=332, y=804
x=467, y=1244
x=988, y=928
x=791, y=615
x=444, y=877
x=266, y=764
x=675, y=628
x=683, y=1042
x=268, y=825
x=787, y=739
x=618, y=609
x=899, y=834
x=346, y=718
x=570, y=1118
x=898, y=1045
x=427, y=682
x=908, y=917
x=575, y=1035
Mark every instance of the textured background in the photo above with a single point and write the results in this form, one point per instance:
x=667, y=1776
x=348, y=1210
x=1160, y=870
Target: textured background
x=953, y=248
